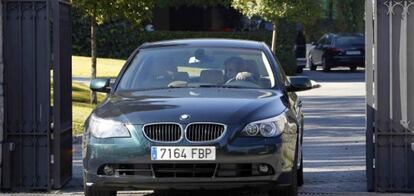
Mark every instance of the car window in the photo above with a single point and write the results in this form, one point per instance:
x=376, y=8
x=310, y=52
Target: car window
x=347, y=41
x=321, y=41
x=182, y=67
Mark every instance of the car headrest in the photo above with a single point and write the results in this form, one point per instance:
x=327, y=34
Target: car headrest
x=212, y=76
x=181, y=76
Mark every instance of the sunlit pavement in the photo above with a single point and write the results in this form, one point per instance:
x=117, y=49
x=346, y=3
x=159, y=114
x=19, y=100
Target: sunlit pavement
x=334, y=142
x=334, y=136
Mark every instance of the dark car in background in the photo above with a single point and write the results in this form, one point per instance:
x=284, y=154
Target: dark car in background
x=197, y=114
x=338, y=50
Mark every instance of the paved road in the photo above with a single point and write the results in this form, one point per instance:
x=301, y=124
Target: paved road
x=334, y=142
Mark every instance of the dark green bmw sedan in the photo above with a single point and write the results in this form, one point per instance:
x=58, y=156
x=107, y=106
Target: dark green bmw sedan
x=197, y=114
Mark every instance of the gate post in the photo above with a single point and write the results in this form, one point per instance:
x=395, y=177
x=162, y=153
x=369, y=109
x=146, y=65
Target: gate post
x=1, y=87
x=37, y=130
x=390, y=95
x=369, y=78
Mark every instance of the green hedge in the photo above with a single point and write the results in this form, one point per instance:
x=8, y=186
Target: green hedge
x=118, y=39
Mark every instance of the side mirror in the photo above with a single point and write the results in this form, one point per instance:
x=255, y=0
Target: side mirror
x=100, y=85
x=301, y=83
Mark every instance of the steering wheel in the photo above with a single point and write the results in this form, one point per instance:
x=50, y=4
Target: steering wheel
x=230, y=80
x=247, y=83
x=234, y=79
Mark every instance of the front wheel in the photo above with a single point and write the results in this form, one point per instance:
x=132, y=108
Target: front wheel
x=299, y=70
x=90, y=191
x=300, y=173
x=313, y=67
x=353, y=68
x=291, y=190
x=325, y=65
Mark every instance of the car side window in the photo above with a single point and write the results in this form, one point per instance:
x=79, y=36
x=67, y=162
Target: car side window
x=281, y=73
x=327, y=41
x=320, y=42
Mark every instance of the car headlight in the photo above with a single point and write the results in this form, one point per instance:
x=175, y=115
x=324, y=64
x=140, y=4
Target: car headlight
x=101, y=128
x=271, y=127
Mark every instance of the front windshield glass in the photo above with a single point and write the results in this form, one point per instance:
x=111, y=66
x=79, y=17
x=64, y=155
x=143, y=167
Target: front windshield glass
x=191, y=67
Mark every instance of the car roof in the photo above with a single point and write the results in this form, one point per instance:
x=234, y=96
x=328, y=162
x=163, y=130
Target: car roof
x=346, y=34
x=233, y=43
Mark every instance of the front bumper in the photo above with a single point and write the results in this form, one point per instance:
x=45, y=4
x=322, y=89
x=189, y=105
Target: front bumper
x=278, y=153
x=338, y=61
x=139, y=183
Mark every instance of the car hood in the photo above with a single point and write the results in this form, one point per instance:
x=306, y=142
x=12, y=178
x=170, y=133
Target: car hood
x=229, y=106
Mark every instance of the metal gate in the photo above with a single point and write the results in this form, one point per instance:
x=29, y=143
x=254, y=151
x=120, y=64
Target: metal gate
x=37, y=146
x=390, y=95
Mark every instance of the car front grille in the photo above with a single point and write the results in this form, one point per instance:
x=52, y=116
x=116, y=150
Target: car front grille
x=204, y=132
x=163, y=132
x=186, y=170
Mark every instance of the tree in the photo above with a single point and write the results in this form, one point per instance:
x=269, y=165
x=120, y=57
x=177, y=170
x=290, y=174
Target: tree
x=199, y=3
x=350, y=15
x=302, y=11
x=100, y=10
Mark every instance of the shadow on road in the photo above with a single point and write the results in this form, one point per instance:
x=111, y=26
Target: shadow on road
x=334, y=143
x=337, y=75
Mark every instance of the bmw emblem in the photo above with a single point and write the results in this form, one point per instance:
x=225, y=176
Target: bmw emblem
x=184, y=117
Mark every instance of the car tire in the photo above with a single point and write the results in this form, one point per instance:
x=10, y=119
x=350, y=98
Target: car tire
x=325, y=66
x=300, y=174
x=353, y=68
x=291, y=190
x=312, y=66
x=90, y=191
x=299, y=70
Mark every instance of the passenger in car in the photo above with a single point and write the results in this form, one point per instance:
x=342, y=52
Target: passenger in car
x=161, y=73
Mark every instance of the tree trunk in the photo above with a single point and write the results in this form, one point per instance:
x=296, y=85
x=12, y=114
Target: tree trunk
x=274, y=37
x=94, y=25
x=330, y=9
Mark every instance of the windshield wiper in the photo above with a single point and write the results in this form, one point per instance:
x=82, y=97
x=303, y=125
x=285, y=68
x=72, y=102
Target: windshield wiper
x=219, y=86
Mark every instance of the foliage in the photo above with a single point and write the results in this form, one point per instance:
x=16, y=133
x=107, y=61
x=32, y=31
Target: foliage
x=199, y=3
x=117, y=40
x=134, y=11
x=81, y=107
x=350, y=15
x=303, y=11
x=340, y=16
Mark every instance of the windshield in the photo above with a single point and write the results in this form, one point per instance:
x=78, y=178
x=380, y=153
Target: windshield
x=350, y=41
x=190, y=67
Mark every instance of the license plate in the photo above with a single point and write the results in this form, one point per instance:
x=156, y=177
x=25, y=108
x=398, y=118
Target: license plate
x=353, y=52
x=161, y=153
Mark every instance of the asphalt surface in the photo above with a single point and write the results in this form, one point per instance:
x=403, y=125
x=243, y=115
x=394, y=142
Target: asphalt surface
x=334, y=140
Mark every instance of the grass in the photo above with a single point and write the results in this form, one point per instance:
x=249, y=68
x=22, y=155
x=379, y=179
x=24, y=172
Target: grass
x=81, y=108
x=110, y=68
x=81, y=67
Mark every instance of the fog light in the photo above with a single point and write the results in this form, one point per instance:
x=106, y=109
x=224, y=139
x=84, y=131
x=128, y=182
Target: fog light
x=109, y=170
x=263, y=168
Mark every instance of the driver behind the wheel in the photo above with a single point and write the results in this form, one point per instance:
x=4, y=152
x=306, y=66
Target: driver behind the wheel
x=233, y=66
x=250, y=72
